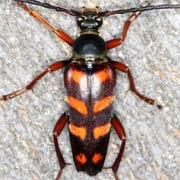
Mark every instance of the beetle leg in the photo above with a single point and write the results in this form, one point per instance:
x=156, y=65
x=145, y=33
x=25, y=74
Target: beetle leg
x=122, y=135
x=56, y=132
x=58, y=32
x=116, y=42
x=53, y=67
x=123, y=68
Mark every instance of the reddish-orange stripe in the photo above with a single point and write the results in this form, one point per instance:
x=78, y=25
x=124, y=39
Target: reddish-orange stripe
x=100, y=131
x=77, y=104
x=81, y=158
x=77, y=131
x=102, y=75
x=77, y=75
x=103, y=103
x=97, y=157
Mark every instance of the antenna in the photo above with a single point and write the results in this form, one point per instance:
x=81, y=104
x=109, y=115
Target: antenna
x=104, y=13
x=49, y=6
x=141, y=9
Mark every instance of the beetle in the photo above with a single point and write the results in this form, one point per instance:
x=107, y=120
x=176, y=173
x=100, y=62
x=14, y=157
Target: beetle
x=89, y=78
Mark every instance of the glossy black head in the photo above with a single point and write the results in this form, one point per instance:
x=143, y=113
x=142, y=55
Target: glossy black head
x=89, y=20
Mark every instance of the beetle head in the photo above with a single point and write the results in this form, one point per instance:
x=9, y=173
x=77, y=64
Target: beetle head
x=89, y=20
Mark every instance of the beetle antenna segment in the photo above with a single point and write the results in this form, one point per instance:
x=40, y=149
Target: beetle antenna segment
x=49, y=6
x=140, y=9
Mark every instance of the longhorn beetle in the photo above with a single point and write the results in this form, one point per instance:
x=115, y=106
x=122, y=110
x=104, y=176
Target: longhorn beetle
x=89, y=79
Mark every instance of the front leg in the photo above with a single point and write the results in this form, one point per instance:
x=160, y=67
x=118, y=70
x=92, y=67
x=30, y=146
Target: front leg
x=58, y=32
x=123, y=68
x=53, y=67
x=118, y=41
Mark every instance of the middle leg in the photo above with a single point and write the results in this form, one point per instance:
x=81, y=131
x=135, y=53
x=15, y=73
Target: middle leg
x=123, y=68
x=53, y=67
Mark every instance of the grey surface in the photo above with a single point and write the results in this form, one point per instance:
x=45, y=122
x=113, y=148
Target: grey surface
x=151, y=50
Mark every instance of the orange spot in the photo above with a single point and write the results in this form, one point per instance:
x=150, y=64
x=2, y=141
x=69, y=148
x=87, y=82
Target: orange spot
x=103, y=103
x=101, y=130
x=77, y=131
x=77, y=104
x=97, y=157
x=77, y=75
x=102, y=75
x=81, y=157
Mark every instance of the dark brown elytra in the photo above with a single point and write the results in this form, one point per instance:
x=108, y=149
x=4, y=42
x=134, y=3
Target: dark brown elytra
x=89, y=79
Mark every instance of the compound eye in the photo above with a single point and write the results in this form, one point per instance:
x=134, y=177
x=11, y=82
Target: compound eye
x=99, y=21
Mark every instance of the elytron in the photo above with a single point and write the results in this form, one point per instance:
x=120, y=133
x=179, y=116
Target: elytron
x=89, y=79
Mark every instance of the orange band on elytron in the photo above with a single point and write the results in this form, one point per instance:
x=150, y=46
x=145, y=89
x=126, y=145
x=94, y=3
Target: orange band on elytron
x=97, y=157
x=100, y=131
x=77, y=104
x=78, y=131
x=103, y=103
x=77, y=75
x=102, y=75
x=81, y=158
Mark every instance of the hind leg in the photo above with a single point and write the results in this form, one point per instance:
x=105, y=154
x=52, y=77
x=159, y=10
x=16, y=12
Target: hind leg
x=122, y=136
x=56, y=132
